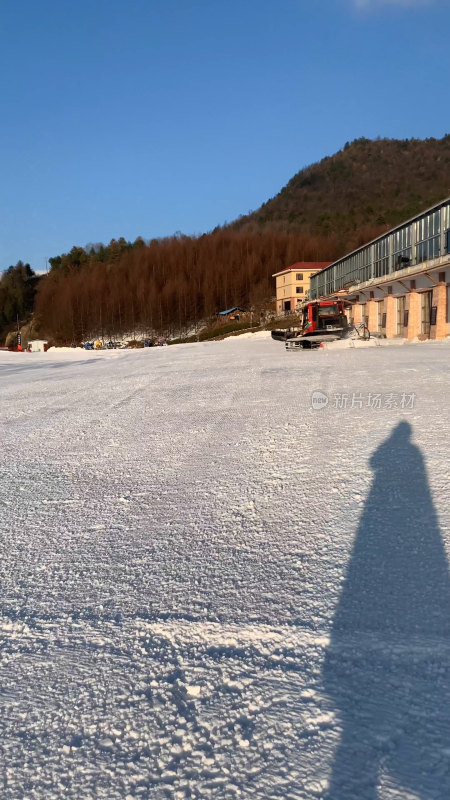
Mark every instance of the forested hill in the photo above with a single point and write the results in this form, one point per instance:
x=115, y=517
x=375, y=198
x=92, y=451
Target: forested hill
x=168, y=284
x=375, y=184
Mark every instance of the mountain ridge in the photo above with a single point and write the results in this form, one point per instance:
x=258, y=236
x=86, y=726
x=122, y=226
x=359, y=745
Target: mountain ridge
x=368, y=183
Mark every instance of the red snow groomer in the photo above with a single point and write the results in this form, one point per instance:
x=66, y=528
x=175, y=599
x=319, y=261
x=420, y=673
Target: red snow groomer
x=324, y=318
x=322, y=321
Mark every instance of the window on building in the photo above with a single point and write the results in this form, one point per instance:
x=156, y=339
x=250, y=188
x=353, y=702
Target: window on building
x=382, y=257
x=428, y=249
x=401, y=247
x=353, y=269
x=299, y=289
x=445, y=218
x=299, y=276
x=428, y=236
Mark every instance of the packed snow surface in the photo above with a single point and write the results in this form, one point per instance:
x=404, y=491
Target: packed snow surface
x=224, y=573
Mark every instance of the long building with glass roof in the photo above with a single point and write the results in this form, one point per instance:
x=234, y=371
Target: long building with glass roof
x=397, y=284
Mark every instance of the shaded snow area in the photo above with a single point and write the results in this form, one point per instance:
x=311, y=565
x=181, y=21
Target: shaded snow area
x=211, y=589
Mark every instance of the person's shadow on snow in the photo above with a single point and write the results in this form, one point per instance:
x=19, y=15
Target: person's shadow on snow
x=387, y=668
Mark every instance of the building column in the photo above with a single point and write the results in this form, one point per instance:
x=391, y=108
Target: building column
x=414, y=315
x=439, y=331
x=391, y=317
x=350, y=312
x=373, y=315
x=359, y=312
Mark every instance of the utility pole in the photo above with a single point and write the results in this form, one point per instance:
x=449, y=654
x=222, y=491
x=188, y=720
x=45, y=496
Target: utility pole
x=19, y=335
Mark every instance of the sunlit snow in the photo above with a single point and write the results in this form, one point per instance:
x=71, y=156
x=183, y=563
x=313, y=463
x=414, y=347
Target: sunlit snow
x=209, y=589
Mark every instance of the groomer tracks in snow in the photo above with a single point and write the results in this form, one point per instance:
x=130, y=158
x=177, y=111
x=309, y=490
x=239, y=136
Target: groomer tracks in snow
x=211, y=589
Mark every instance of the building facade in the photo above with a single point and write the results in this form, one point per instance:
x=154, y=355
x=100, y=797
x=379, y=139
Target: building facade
x=292, y=284
x=398, y=284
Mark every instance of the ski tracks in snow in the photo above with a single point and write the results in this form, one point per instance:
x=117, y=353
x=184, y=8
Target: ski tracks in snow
x=177, y=526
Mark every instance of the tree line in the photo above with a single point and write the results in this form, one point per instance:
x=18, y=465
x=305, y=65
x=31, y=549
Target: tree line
x=165, y=286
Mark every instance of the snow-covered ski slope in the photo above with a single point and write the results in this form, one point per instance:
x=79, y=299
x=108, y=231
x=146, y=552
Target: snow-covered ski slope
x=210, y=589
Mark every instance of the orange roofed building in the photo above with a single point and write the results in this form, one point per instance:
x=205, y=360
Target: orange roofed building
x=292, y=283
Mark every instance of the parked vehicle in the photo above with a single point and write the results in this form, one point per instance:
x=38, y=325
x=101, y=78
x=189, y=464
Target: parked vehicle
x=322, y=321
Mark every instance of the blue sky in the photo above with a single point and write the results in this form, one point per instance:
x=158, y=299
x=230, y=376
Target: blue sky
x=148, y=117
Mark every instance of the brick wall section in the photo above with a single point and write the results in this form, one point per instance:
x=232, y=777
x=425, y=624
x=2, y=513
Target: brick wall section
x=414, y=315
x=439, y=331
x=373, y=317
